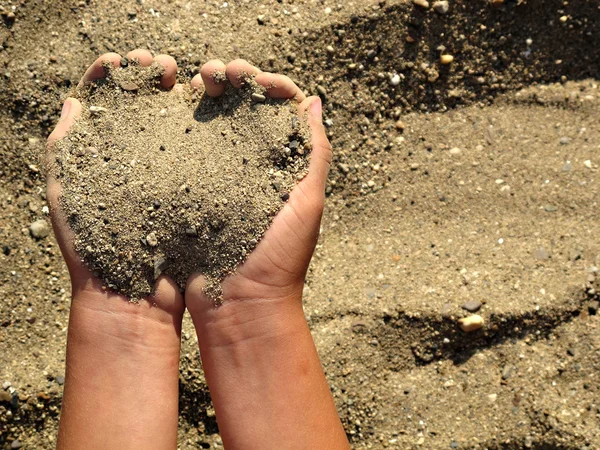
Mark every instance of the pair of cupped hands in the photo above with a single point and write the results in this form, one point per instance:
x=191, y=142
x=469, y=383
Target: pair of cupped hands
x=259, y=359
x=275, y=270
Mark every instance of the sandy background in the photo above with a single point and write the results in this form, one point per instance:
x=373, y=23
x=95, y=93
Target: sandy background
x=474, y=181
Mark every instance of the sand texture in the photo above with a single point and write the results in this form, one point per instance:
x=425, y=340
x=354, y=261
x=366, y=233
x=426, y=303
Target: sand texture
x=469, y=184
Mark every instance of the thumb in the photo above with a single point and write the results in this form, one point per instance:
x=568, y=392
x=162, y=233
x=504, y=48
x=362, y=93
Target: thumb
x=321, y=148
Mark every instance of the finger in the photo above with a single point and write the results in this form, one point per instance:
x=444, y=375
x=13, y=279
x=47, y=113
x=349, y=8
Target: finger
x=280, y=86
x=321, y=153
x=169, y=77
x=212, y=75
x=69, y=114
x=142, y=55
x=96, y=70
x=197, y=81
x=238, y=70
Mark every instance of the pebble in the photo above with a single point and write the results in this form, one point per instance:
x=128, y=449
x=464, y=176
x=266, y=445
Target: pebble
x=6, y=385
x=441, y=7
x=321, y=91
x=16, y=444
x=455, y=151
x=97, y=109
x=507, y=372
x=542, y=254
x=258, y=98
x=60, y=380
x=593, y=307
x=399, y=125
x=261, y=19
x=160, y=265
x=567, y=167
x=471, y=323
x=191, y=232
x=5, y=397
x=128, y=86
x=151, y=239
x=446, y=311
x=587, y=163
x=575, y=254
x=446, y=59
x=564, y=140
x=421, y=3
x=395, y=80
x=39, y=229
x=472, y=306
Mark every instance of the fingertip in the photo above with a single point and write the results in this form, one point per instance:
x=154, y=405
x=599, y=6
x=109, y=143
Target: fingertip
x=96, y=70
x=213, y=77
x=305, y=104
x=197, y=81
x=280, y=86
x=238, y=70
x=142, y=55
x=169, y=77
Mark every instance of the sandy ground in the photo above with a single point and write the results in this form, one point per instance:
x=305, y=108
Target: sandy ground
x=474, y=181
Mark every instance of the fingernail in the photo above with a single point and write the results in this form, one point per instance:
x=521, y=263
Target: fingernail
x=65, y=109
x=316, y=108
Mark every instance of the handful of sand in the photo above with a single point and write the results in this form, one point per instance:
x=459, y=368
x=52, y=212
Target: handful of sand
x=174, y=182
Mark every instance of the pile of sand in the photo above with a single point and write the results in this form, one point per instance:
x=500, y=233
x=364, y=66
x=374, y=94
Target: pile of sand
x=164, y=182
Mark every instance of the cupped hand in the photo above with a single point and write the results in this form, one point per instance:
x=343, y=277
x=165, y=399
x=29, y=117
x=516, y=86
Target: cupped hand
x=166, y=297
x=275, y=270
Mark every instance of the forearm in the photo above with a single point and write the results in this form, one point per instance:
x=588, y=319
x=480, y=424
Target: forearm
x=265, y=378
x=121, y=388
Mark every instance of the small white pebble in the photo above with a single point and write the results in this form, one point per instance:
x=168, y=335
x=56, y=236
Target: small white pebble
x=588, y=163
x=395, y=80
x=500, y=241
x=328, y=10
x=471, y=323
x=97, y=109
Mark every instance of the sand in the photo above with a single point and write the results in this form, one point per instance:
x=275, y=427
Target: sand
x=415, y=223
x=174, y=182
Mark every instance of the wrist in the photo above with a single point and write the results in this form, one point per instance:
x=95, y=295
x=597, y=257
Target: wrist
x=257, y=320
x=118, y=325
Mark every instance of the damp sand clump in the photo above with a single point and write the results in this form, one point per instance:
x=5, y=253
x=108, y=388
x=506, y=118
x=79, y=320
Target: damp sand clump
x=164, y=182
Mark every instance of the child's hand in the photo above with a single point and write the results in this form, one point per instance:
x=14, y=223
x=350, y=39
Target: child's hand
x=121, y=388
x=275, y=270
x=260, y=362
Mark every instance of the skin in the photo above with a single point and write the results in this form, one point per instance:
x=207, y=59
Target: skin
x=261, y=365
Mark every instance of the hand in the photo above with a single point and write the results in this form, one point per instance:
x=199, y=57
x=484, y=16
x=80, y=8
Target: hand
x=167, y=296
x=275, y=270
x=260, y=362
x=121, y=388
